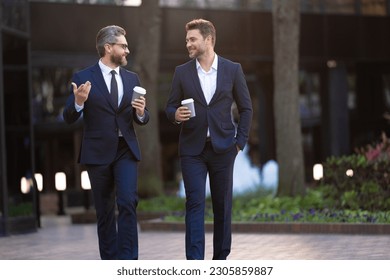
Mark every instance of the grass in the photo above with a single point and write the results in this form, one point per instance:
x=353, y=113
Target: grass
x=262, y=206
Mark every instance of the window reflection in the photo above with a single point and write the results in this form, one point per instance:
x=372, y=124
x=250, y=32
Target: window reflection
x=309, y=97
x=50, y=92
x=386, y=90
x=352, y=92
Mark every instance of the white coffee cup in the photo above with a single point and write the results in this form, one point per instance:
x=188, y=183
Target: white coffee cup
x=138, y=92
x=189, y=103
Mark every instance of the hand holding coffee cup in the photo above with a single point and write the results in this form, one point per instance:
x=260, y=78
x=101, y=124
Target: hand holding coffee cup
x=138, y=92
x=189, y=103
x=138, y=100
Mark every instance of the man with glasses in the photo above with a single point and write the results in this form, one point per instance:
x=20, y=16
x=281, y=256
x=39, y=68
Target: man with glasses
x=102, y=94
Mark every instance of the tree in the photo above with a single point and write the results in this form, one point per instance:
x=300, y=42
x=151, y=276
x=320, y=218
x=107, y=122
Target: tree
x=289, y=151
x=147, y=66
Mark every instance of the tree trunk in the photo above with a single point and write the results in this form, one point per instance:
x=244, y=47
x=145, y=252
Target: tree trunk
x=289, y=151
x=146, y=64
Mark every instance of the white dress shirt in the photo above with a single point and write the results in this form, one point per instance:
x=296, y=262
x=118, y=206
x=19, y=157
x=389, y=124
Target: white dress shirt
x=208, y=81
x=106, y=71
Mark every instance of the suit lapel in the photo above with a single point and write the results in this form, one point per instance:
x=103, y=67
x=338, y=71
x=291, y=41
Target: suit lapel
x=220, y=73
x=98, y=81
x=126, y=90
x=196, y=82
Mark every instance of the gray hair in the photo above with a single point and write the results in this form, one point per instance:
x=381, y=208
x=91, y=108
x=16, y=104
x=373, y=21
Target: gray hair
x=108, y=35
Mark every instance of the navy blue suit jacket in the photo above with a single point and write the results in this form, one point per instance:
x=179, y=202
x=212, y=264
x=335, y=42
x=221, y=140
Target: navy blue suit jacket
x=231, y=86
x=102, y=120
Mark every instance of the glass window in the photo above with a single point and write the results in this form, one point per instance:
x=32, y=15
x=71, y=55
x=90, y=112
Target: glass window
x=340, y=6
x=374, y=7
x=386, y=91
x=352, y=92
x=50, y=91
x=309, y=98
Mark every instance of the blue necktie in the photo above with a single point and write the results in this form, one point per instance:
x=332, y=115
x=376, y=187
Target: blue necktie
x=114, y=89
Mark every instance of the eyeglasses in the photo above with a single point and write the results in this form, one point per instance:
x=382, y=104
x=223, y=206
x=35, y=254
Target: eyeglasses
x=124, y=46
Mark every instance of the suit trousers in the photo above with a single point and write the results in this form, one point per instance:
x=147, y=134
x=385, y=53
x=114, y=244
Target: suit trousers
x=220, y=170
x=118, y=237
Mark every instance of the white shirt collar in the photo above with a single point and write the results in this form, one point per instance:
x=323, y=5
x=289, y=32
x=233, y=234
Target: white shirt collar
x=107, y=70
x=213, y=66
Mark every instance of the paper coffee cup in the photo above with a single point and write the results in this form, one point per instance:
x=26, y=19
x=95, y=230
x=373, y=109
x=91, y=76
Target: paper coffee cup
x=138, y=92
x=189, y=103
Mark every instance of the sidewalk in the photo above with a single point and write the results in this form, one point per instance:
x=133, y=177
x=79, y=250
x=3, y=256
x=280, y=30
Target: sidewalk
x=59, y=239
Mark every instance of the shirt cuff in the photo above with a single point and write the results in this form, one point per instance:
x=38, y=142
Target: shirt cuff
x=78, y=107
x=141, y=118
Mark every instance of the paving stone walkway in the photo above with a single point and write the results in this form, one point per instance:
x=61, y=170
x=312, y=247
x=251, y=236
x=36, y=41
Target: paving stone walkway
x=59, y=239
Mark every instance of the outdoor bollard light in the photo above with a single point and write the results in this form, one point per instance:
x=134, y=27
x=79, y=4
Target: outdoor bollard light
x=318, y=171
x=60, y=182
x=39, y=187
x=31, y=185
x=86, y=186
x=39, y=180
x=24, y=185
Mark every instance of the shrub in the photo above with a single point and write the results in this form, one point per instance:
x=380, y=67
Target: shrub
x=259, y=206
x=360, y=180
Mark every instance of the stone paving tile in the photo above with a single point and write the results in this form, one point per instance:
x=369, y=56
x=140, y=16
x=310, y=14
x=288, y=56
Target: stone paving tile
x=58, y=239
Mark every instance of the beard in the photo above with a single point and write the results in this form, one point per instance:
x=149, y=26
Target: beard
x=118, y=60
x=192, y=53
x=195, y=52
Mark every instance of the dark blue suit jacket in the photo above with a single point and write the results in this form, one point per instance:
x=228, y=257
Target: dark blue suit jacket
x=231, y=86
x=102, y=120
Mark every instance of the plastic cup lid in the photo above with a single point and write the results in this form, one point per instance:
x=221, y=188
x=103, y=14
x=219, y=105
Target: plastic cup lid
x=140, y=90
x=187, y=101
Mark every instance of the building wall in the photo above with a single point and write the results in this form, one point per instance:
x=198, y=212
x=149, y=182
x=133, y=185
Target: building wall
x=63, y=36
